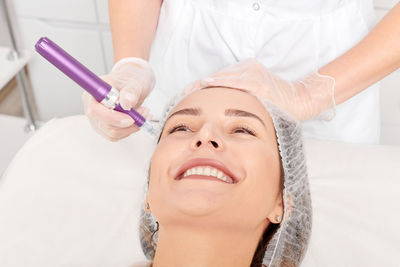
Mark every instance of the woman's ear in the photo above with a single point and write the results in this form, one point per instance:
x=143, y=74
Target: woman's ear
x=276, y=214
x=280, y=209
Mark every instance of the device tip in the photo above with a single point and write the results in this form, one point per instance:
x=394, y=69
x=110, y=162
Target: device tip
x=149, y=128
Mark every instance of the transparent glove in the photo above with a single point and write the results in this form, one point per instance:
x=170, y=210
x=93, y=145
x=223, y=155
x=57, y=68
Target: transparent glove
x=134, y=78
x=311, y=97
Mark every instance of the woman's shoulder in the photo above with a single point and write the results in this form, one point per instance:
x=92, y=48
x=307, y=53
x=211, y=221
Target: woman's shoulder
x=141, y=264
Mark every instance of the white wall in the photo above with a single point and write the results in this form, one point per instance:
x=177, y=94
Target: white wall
x=78, y=26
x=3, y=34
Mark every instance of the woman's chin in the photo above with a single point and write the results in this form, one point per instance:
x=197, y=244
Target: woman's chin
x=198, y=201
x=203, y=212
x=196, y=198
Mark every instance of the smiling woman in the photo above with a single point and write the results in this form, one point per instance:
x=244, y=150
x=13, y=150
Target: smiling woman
x=227, y=184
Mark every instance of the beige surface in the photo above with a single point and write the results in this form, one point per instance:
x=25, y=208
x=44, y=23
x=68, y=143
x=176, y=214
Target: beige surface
x=10, y=103
x=11, y=67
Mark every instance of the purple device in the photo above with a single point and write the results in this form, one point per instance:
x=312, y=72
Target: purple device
x=99, y=89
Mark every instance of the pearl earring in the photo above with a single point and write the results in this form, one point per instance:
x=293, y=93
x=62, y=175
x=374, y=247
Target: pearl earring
x=278, y=218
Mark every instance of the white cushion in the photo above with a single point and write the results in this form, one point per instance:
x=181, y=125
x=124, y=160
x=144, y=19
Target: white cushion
x=355, y=192
x=72, y=198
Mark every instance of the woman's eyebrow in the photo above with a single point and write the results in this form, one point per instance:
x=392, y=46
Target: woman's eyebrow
x=228, y=112
x=187, y=111
x=242, y=113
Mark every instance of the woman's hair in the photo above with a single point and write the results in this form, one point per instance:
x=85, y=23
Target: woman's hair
x=262, y=245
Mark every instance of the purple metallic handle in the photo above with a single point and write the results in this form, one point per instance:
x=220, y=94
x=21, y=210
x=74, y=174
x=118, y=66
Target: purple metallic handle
x=89, y=81
x=139, y=119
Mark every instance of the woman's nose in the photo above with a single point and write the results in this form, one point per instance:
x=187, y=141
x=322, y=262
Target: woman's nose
x=207, y=137
x=200, y=143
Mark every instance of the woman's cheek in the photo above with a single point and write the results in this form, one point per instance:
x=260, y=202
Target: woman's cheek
x=167, y=145
x=167, y=154
x=261, y=160
x=159, y=159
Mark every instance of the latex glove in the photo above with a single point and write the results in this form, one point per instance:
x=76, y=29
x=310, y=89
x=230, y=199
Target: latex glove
x=134, y=78
x=304, y=99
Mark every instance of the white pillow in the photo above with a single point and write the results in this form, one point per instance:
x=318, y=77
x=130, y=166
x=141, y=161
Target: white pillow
x=72, y=198
x=355, y=191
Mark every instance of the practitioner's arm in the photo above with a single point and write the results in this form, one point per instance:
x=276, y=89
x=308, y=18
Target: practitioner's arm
x=133, y=25
x=373, y=58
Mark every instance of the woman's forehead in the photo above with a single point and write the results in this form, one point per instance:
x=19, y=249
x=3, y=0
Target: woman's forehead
x=218, y=99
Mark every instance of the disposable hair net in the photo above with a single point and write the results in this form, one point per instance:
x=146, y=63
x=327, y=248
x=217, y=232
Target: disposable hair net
x=288, y=244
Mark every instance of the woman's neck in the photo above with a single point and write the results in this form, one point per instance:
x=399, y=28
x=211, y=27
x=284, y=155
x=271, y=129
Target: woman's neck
x=194, y=247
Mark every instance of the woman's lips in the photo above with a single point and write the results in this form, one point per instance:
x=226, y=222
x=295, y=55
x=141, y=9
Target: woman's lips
x=197, y=162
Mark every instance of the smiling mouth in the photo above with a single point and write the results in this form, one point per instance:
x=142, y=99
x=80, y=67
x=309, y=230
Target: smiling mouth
x=206, y=173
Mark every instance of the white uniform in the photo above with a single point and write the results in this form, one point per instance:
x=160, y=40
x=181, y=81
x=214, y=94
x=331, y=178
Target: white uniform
x=196, y=38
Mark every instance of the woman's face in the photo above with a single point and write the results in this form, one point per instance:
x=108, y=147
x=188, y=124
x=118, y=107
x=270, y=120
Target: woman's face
x=222, y=130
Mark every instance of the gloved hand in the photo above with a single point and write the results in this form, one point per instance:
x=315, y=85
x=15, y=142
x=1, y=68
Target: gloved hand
x=134, y=78
x=304, y=99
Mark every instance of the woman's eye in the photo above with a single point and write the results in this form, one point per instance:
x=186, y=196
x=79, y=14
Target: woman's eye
x=181, y=127
x=244, y=130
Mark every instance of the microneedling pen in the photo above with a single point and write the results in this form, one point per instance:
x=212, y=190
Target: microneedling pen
x=99, y=89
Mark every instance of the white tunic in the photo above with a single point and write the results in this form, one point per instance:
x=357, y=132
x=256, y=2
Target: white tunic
x=196, y=38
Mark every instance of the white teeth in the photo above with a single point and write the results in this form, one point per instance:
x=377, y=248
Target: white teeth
x=199, y=171
x=208, y=171
x=213, y=172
